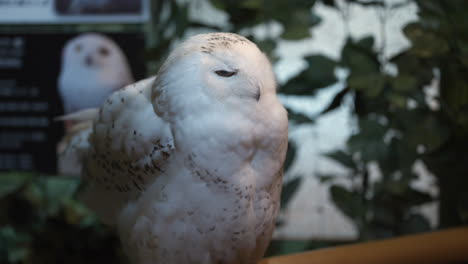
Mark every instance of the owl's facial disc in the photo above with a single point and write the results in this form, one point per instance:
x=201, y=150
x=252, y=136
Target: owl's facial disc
x=229, y=77
x=241, y=88
x=92, y=57
x=223, y=67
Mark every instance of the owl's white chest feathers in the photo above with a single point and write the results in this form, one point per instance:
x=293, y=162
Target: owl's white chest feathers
x=198, y=217
x=200, y=213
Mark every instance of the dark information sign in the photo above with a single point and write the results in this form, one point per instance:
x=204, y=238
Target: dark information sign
x=30, y=68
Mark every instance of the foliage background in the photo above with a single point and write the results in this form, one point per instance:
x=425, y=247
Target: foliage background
x=43, y=222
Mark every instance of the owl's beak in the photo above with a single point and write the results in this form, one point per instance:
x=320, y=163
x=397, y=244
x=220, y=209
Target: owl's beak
x=89, y=60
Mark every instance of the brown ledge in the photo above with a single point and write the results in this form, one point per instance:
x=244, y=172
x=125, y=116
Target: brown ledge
x=447, y=246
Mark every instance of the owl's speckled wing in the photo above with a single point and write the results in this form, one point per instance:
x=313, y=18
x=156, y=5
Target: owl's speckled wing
x=130, y=146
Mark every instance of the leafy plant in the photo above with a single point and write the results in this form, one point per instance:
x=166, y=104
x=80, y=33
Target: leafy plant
x=43, y=222
x=397, y=126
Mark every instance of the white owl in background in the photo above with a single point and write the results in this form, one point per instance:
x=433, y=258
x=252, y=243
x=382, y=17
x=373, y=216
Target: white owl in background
x=188, y=164
x=93, y=67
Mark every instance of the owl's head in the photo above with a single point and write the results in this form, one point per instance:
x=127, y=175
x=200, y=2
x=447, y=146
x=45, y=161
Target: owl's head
x=92, y=51
x=218, y=67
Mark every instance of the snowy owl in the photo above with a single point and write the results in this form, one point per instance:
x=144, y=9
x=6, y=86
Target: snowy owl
x=93, y=67
x=188, y=164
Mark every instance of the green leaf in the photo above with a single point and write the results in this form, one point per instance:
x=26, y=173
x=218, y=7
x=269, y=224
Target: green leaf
x=426, y=129
x=320, y=61
x=342, y=158
x=251, y=4
x=359, y=57
x=181, y=19
x=426, y=44
x=397, y=193
x=319, y=74
x=35, y=194
x=372, y=128
x=368, y=3
x=7, y=233
x=314, y=19
x=431, y=7
x=62, y=187
x=383, y=216
x=298, y=85
x=297, y=25
x=367, y=43
x=416, y=198
x=288, y=191
x=462, y=45
x=12, y=182
x=242, y=17
x=290, y=155
x=370, y=84
x=399, y=5
x=404, y=83
x=369, y=150
x=369, y=141
x=299, y=118
x=78, y=214
x=268, y=46
x=462, y=207
x=454, y=92
x=296, y=32
x=397, y=100
x=15, y=243
x=321, y=71
x=18, y=254
x=218, y=4
x=349, y=202
x=397, y=156
x=324, y=178
x=330, y=3
x=415, y=223
x=336, y=102
x=410, y=65
x=58, y=190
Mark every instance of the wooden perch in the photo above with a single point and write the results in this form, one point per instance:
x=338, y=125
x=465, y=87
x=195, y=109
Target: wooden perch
x=448, y=246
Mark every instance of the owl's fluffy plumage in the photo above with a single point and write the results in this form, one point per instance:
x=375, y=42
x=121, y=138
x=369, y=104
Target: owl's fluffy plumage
x=188, y=164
